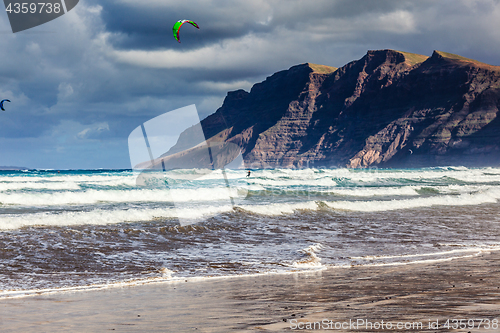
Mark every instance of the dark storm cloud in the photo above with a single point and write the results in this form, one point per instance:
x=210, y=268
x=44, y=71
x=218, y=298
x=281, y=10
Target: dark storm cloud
x=81, y=83
x=148, y=25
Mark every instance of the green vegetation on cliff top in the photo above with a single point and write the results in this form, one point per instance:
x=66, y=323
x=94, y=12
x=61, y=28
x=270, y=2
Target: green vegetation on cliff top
x=322, y=69
x=455, y=57
x=413, y=58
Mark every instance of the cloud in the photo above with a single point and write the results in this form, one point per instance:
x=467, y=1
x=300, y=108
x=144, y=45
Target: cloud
x=95, y=132
x=230, y=55
x=223, y=87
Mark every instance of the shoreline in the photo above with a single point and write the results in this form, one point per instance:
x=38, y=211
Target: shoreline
x=422, y=292
x=168, y=279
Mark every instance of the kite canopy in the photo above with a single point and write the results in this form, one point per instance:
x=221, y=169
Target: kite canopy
x=179, y=24
x=1, y=104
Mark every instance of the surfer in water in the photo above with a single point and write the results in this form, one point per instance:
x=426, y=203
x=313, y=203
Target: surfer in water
x=248, y=174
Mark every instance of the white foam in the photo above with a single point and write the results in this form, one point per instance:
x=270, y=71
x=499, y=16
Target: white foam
x=432, y=254
x=381, y=176
x=197, y=210
x=312, y=260
x=280, y=209
x=423, y=261
x=136, y=195
x=282, y=176
x=65, y=177
x=216, y=175
x=378, y=191
x=466, y=253
x=145, y=281
x=27, y=185
x=166, y=273
x=324, y=181
x=373, y=177
x=102, y=217
x=64, y=182
x=465, y=199
x=193, y=212
x=407, y=190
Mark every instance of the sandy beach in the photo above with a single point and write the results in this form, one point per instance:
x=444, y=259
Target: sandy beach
x=466, y=288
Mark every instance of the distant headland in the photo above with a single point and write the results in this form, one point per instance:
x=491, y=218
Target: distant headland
x=13, y=168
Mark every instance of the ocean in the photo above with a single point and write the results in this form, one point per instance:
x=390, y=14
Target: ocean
x=88, y=229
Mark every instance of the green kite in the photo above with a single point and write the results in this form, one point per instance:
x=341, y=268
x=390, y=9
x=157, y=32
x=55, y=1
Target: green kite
x=178, y=25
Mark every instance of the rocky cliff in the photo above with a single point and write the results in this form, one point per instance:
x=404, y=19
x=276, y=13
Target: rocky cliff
x=387, y=109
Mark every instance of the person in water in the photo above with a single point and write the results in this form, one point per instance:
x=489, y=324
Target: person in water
x=248, y=174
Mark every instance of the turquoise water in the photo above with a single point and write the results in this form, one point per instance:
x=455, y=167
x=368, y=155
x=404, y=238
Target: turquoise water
x=91, y=228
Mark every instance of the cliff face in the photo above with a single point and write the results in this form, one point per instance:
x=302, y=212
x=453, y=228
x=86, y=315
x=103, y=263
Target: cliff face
x=388, y=109
x=443, y=113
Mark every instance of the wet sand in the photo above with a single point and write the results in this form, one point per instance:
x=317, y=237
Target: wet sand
x=467, y=288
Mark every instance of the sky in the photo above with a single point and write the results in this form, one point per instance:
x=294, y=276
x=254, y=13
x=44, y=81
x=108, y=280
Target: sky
x=80, y=84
